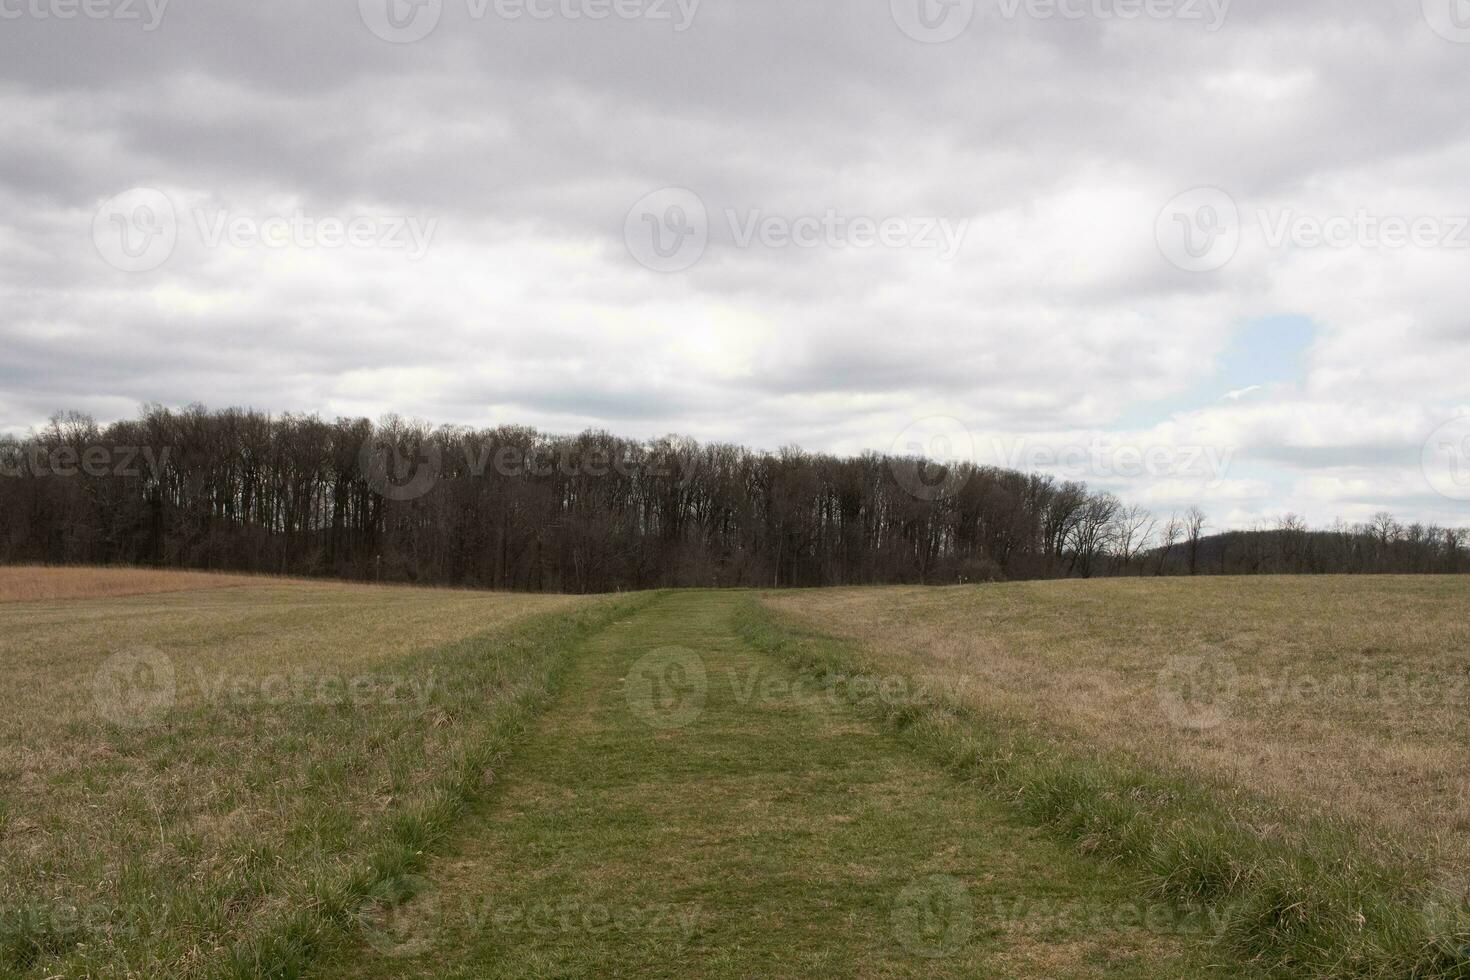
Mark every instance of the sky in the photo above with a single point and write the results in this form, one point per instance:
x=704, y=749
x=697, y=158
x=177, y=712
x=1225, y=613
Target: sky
x=1191, y=251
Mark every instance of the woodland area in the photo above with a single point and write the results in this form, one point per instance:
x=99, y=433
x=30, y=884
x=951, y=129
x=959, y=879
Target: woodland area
x=512, y=508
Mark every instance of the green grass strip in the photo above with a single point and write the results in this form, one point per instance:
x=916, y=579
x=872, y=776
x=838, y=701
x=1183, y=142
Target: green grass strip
x=498, y=683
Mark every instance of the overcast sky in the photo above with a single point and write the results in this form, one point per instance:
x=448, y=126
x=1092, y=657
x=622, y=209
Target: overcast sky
x=1227, y=235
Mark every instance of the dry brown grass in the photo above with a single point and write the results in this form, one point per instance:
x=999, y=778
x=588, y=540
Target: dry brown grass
x=208, y=800
x=1349, y=696
x=33, y=583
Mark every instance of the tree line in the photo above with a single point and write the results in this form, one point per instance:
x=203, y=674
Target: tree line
x=513, y=508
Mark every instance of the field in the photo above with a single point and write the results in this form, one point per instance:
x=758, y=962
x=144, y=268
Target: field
x=203, y=776
x=1292, y=751
x=186, y=769
x=1348, y=696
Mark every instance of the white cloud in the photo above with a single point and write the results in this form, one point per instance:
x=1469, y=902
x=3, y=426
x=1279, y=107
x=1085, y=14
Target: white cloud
x=1057, y=321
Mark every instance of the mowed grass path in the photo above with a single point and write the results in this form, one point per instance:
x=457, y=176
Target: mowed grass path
x=658, y=826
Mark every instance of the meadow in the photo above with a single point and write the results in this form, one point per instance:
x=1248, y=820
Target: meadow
x=1290, y=751
x=220, y=776
x=1349, y=696
x=190, y=761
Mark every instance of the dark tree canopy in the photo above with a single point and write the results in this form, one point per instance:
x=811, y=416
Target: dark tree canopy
x=512, y=508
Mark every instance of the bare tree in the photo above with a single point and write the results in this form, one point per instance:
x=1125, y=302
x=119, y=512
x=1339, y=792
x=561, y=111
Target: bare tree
x=1133, y=528
x=1194, y=529
x=1167, y=540
x=1092, y=530
x=516, y=509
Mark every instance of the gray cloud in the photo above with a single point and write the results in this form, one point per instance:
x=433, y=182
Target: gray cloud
x=528, y=141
